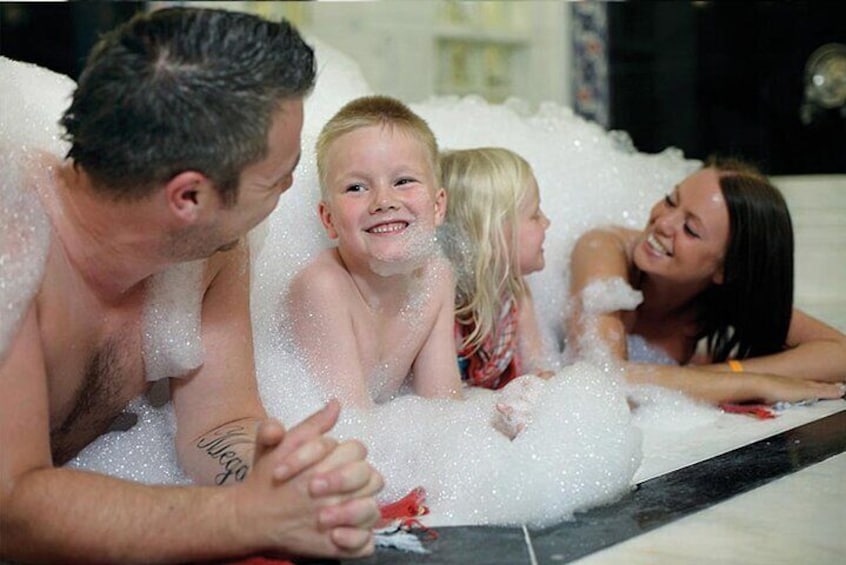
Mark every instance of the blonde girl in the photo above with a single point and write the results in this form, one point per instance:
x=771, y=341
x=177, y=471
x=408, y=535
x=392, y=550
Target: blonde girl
x=496, y=232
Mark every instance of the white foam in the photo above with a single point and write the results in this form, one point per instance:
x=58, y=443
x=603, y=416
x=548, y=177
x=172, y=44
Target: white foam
x=609, y=295
x=599, y=297
x=146, y=453
x=172, y=342
x=31, y=101
x=581, y=447
x=24, y=240
x=420, y=246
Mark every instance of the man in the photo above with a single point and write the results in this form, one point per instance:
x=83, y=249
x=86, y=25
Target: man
x=184, y=131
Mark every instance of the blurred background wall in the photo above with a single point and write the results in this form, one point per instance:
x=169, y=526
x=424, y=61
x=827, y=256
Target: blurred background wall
x=726, y=77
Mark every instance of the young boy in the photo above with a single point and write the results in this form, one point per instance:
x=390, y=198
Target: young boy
x=376, y=311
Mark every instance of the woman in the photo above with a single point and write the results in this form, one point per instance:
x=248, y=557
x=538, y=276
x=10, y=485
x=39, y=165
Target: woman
x=715, y=269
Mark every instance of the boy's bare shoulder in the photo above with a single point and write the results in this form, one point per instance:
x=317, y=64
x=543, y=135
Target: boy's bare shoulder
x=325, y=275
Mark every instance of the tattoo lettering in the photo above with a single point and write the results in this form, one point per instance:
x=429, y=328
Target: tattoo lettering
x=219, y=446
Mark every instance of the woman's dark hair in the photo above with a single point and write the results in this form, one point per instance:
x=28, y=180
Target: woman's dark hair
x=749, y=314
x=183, y=89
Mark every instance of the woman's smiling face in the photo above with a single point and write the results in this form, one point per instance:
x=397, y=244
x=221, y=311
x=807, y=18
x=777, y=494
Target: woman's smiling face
x=687, y=234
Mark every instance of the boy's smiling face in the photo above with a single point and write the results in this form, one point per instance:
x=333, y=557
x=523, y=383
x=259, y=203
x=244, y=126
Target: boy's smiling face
x=383, y=201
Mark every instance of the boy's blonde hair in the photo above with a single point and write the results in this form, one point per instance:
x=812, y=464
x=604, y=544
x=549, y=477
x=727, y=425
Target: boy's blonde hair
x=374, y=111
x=485, y=187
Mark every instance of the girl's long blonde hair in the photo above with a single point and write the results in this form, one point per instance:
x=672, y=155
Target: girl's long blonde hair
x=485, y=187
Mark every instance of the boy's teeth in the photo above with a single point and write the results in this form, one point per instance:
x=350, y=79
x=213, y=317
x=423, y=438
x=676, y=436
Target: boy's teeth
x=386, y=228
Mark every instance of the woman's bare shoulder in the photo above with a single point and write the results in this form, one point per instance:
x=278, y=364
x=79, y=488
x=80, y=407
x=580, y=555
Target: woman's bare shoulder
x=604, y=243
x=608, y=235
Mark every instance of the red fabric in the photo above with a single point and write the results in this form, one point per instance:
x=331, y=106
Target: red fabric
x=760, y=411
x=497, y=361
x=411, y=505
x=406, y=511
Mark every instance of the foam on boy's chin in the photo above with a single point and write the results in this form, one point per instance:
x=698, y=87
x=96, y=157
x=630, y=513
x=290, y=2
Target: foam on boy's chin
x=419, y=245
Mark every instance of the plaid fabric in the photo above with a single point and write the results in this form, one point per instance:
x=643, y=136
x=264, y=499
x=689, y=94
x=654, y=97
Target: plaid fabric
x=497, y=361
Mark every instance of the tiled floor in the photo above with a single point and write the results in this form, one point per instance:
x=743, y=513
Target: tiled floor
x=778, y=500
x=799, y=518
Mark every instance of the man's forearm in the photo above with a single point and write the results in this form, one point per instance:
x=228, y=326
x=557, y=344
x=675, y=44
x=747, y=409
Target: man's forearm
x=64, y=515
x=223, y=456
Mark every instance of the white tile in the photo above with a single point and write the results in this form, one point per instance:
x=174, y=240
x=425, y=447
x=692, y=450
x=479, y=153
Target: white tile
x=800, y=518
x=666, y=449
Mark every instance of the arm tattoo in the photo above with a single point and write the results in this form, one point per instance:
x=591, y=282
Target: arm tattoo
x=219, y=446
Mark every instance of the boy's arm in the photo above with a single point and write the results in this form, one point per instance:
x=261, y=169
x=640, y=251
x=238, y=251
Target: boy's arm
x=323, y=329
x=435, y=370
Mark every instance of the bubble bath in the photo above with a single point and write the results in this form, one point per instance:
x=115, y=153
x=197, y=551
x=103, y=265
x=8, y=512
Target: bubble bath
x=583, y=445
x=581, y=448
x=31, y=99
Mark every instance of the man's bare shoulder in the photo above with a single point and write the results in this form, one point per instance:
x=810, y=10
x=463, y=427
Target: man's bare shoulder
x=237, y=259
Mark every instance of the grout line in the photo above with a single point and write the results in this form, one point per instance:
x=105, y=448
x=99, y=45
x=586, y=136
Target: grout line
x=653, y=504
x=666, y=498
x=533, y=560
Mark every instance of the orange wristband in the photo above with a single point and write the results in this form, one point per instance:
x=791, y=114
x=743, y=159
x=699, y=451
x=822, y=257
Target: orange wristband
x=735, y=366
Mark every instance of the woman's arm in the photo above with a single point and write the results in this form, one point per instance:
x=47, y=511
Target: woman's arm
x=599, y=254
x=815, y=351
x=719, y=387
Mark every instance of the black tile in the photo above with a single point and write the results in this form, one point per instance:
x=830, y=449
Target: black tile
x=650, y=505
x=672, y=496
x=462, y=545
